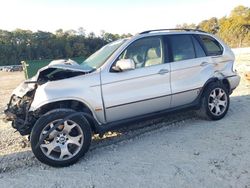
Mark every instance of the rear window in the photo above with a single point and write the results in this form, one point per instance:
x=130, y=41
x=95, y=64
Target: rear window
x=212, y=46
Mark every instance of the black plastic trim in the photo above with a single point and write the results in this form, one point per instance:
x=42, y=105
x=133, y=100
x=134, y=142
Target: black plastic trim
x=150, y=98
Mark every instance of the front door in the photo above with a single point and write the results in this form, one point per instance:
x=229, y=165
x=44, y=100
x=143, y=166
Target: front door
x=140, y=91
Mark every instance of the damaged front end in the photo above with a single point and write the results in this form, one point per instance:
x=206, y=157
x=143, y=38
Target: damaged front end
x=18, y=108
x=17, y=111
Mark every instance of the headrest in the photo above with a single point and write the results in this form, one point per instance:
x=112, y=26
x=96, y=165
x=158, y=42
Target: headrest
x=153, y=53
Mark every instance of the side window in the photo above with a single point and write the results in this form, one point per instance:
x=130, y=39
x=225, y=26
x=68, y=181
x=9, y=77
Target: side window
x=144, y=52
x=198, y=49
x=182, y=47
x=212, y=46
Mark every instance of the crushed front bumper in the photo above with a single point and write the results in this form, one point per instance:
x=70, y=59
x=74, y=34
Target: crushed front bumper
x=17, y=112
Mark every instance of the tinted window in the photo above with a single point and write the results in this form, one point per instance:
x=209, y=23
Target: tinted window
x=212, y=46
x=144, y=52
x=198, y=49
x=182, y=47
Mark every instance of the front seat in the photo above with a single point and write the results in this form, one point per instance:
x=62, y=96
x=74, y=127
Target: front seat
x=153, y=57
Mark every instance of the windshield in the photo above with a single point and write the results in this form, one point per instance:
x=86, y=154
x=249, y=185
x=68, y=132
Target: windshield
x=97, y=59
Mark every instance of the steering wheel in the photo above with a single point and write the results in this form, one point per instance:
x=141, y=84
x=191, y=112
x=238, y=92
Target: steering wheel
x=138, y=60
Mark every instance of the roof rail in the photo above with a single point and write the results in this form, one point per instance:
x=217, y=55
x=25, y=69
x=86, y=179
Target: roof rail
x=177, y=29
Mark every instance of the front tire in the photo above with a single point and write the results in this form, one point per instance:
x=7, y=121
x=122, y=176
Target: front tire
x=64, y=145
x=215, y=102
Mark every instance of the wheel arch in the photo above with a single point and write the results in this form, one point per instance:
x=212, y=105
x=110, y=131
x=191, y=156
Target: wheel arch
x=223, y=81
x=226, y=83
x=71, y=104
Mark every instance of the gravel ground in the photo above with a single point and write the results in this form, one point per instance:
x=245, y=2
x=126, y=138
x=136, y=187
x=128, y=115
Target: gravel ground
x=177, y=150
x=9, y=141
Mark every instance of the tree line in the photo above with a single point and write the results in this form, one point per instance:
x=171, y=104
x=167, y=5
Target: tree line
x=21, y=44
x=234, y=29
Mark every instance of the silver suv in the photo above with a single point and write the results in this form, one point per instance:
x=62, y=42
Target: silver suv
x=152, y=73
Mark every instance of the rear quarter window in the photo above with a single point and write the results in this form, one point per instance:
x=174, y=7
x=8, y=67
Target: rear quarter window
x=212, y=46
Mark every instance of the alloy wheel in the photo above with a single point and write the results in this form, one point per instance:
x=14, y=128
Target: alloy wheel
x=64, y=142
x=217, y=101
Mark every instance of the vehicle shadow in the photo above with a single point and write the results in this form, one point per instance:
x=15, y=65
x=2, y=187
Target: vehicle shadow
x=173, y=120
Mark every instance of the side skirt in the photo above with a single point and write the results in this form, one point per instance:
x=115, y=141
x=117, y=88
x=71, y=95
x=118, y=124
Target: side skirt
x=101, y=129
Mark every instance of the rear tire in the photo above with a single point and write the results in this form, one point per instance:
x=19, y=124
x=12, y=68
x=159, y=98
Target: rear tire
x=215, y=102
x=66, y=144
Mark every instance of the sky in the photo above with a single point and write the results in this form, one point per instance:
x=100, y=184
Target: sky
x=114, y=16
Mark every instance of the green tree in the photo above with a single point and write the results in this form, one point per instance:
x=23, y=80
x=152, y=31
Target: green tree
x=211, y=25
x=235, y=29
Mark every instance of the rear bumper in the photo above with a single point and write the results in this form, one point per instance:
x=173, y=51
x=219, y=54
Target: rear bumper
x=234, y=81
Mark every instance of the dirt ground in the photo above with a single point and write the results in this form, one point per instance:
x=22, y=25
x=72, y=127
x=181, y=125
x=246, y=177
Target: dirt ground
x=177, y=150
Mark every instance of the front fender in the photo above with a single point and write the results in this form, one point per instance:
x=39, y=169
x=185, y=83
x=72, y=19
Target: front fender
x=69, y=89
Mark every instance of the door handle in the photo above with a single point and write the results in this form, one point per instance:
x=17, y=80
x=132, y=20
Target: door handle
x=163, y=71
x=204, y=63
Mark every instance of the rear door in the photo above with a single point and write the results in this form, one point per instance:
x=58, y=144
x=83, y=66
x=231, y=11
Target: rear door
x=189, y=68
x=140, y=91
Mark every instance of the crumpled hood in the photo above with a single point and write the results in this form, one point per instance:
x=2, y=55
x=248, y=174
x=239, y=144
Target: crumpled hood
x=30, y=84
x=65, y=65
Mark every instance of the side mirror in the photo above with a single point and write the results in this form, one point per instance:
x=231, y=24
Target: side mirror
x=124, y=65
